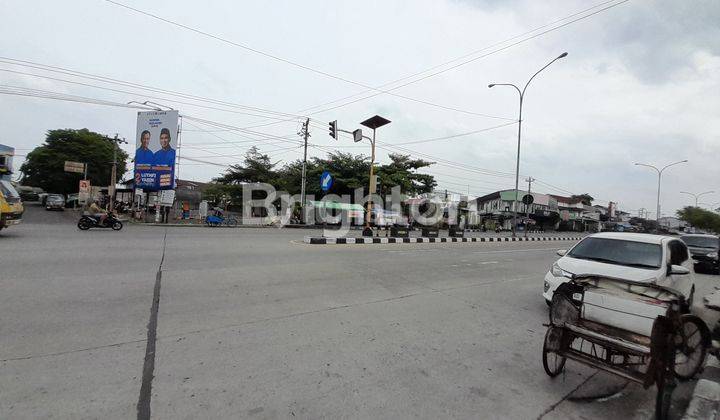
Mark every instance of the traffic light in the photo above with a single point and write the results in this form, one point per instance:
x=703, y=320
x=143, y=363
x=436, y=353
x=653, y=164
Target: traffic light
x=333, y=129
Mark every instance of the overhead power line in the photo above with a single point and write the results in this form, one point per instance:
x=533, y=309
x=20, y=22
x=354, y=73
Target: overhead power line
x=291, y=62
x=110, y=80
x=463, y=56
x=388, y=91
x=380, y=90
x=452, y=136
x=38, y=93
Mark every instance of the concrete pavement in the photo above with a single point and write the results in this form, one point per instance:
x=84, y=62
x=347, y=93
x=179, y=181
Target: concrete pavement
x=252, y=323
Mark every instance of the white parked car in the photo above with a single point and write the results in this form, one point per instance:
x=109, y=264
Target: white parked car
x=638, y=257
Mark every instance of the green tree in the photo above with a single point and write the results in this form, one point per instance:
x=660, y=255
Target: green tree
x=401, y=171
x=585, y=198
x=45, y=165
x=700, y=218
x=349, y=172
x=256, y=167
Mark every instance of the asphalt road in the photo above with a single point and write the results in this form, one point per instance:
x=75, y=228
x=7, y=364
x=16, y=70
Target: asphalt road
x=252, y=323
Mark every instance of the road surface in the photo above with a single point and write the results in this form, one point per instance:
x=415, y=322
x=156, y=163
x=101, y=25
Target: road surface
x=253, y=323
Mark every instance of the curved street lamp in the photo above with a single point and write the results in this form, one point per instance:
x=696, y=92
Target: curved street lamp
x=697, y=196
x=660, y=171
x=517, y=164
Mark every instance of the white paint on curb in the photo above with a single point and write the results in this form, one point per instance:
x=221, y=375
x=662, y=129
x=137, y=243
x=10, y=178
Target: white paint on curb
x=317, y=240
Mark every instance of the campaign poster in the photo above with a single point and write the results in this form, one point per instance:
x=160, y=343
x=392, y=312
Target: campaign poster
x=155, y=146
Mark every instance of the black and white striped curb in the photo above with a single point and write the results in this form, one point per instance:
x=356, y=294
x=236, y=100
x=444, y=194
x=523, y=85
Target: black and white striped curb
x=315, y=240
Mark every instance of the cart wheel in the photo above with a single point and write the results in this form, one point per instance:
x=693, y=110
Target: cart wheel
x=553, y=363
x=691, y=345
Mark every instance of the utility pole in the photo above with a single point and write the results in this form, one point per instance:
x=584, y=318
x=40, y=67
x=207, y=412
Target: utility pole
x=529, y=180
x=113, y=174
x=305, y=132
x=179, y=147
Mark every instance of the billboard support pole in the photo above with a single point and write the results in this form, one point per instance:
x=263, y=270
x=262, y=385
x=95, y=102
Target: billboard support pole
x=179, y=139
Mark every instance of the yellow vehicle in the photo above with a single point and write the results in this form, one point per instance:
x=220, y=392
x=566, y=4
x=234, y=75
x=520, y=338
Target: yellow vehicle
x=11, y=208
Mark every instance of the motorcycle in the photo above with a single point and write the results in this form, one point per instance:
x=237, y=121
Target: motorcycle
x=86, y=222
x=215, y=220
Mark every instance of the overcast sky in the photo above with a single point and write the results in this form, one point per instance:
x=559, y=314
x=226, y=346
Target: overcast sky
x=640, y=84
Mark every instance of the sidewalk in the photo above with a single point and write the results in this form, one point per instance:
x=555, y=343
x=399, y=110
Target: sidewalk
x=705, y=402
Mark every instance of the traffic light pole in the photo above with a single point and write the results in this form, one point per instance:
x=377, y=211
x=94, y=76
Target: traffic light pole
x=372, y=123
x=530, y=180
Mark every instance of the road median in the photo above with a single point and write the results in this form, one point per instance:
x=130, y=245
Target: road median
x=319, y=240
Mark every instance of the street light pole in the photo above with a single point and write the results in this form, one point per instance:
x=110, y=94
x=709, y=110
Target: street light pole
x=697, y=196
x=517, y=162
x=660, y=171
x=372, y=123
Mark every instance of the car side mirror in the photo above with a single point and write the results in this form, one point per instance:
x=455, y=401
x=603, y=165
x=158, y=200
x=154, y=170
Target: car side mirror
x=678, y=270
x=562, y=252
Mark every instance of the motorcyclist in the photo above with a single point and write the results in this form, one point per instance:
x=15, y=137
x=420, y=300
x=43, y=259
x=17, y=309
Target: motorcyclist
x=97, y=212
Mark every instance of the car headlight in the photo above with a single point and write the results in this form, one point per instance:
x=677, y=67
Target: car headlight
x=713, y=255
x=556, y=271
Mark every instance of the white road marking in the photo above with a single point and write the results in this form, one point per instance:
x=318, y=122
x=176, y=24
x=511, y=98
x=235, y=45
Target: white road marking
x=516, y=250
x=412, y=251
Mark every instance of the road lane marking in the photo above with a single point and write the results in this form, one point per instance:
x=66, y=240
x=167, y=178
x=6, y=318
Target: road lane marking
x=412, y=251
x=515, y=250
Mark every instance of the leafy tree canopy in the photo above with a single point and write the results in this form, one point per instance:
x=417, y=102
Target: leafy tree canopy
x=349, y=172
x=255, y=168
x=45, y=165
x=585, y=198
x=700, y=218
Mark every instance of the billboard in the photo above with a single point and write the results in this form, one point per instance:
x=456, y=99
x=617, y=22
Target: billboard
x=155, y=146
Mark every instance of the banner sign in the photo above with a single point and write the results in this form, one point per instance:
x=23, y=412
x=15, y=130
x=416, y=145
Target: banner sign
x=71, y=166
x=84, y=187
x=155, y=145
x=167, y=197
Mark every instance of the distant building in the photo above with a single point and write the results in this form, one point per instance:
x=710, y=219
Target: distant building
x=547, y=212
x=6, y=162
x=673, y=223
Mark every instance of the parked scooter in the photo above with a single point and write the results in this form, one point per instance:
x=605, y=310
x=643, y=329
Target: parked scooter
x=86, y=222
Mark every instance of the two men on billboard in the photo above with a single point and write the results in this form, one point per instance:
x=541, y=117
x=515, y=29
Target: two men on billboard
x=155, y=166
